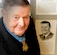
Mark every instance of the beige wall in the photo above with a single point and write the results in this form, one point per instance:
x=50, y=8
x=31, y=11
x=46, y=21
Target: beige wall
x=43, y=17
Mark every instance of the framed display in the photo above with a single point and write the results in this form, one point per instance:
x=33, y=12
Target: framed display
x=46, y=7
x=46, y=34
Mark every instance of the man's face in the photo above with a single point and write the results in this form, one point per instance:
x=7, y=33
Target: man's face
x=45, y=28
x=17, y=19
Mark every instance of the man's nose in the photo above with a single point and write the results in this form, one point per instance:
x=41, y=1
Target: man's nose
x=21, y=21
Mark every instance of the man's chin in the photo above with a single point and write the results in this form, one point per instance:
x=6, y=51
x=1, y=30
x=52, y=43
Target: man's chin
x=19, y=33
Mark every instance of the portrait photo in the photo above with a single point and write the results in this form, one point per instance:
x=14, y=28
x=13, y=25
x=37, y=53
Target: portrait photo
x=45, y=30
x=46, y=34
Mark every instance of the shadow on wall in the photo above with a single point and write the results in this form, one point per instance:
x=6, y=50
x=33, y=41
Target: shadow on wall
x=0, y=13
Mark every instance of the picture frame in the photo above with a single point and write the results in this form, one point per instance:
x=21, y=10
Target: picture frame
x=46, y=7
x=46, y=46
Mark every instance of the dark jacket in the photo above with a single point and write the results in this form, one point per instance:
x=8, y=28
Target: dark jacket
x=46, y=38
x=10, y=46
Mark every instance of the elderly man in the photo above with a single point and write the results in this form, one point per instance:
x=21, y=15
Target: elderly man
x=17, y=30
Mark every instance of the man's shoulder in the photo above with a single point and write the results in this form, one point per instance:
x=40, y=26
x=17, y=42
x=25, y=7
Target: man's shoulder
x=1, y=26
x=41, y=35
x=0, y=23
x=1, y=20
x=51, y=34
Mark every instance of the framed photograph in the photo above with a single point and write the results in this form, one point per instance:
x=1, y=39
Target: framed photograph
x=46, y=34
x=46, y=7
